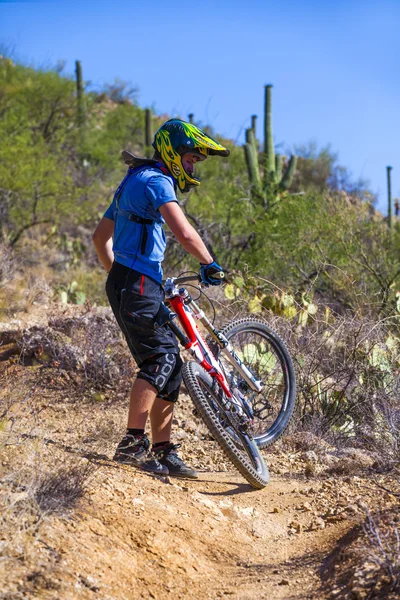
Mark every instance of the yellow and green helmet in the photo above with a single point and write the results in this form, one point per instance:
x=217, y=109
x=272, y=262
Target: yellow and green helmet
x=174, y=138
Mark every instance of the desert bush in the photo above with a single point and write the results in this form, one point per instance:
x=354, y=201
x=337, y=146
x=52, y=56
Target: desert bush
x=347, y=380
x=316, y=242
x=18, y=403
x=8, y=264
x=31, y=493
x=89, y=344
x=367, y=565
x=382, y=548
x=59, y=490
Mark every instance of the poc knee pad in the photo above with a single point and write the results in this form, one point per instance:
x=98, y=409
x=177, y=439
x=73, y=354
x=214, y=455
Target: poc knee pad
x=163, y=371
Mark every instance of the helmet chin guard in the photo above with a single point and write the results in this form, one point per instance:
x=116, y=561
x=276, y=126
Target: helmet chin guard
x=174, y=138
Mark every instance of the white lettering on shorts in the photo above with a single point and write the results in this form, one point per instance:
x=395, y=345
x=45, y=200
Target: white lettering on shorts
x=166, y=370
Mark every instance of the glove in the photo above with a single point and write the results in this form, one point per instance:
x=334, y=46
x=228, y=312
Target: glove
x=207, y=272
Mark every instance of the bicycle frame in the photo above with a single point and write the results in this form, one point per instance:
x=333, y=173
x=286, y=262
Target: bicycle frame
x=188, y=312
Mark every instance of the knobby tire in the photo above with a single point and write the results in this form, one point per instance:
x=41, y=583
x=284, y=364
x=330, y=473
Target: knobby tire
x=250, y=464
x=265, y=354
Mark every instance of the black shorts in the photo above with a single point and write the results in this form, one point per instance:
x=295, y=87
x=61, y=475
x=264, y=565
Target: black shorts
x=137, y=301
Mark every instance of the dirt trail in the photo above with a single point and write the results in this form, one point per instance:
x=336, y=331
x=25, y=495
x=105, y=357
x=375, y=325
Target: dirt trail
x=140, y=537
x=135, y=536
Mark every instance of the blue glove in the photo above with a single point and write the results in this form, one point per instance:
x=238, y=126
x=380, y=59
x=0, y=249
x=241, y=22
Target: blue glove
x=208, y=271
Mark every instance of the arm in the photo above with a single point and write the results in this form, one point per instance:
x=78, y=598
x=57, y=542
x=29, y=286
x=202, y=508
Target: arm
x=186, y=235
x=102, y=239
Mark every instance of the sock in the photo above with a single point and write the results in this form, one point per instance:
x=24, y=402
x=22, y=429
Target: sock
x=159, y=444
x=135, y=432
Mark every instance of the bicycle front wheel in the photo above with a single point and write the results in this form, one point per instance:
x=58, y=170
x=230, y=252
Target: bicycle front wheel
x=238, y=446
x=264, y=353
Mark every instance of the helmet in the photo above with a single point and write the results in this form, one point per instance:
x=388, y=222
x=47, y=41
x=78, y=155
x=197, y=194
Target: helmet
x=174, y=138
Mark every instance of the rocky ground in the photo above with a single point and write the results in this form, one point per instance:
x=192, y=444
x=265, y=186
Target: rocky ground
x=75, y=525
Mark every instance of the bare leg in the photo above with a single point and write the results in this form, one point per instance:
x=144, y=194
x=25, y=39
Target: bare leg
x=142, y=399
x=161, y=420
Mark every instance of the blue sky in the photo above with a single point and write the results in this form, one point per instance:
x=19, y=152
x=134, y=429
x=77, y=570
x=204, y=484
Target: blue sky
x=334, y=65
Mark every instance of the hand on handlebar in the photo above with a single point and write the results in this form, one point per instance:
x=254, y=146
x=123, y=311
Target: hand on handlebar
x=211, y=274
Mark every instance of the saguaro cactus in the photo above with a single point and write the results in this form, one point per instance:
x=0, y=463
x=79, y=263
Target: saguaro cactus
x=269, y=152
x=273, y=179
x=79, y=94
x=148, y=132
x=389, y=193
x=251, y=156
x=273, y=164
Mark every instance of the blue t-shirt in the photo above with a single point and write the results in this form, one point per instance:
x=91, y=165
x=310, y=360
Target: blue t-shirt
x=136, y=245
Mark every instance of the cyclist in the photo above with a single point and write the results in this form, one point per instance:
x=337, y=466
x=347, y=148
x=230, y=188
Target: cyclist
x=130, y=243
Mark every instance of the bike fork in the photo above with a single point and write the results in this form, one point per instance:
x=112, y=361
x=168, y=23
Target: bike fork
x=255, y=384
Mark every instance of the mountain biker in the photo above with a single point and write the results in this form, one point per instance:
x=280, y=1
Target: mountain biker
x=130, y=243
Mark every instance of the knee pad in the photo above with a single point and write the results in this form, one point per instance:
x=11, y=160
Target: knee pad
x=163, y=371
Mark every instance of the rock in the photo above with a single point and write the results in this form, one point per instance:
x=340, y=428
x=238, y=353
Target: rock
x=298, y=527
x=349, y=461
x=247, y=511
x=11, y=326
x=317, y=523
x=361, y=457
x=309, y=456
x=264, y=529
x=363, y=506
x=330, y=460
x=310, y=469
x=208, y=503
x=228, y=509
x=305, y=440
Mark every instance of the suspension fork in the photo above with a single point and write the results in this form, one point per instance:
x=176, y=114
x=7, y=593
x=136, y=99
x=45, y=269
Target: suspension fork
x=227, y=350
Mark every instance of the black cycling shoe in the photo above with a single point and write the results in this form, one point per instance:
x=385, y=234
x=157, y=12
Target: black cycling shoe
x=134, y=450
x=167, y=456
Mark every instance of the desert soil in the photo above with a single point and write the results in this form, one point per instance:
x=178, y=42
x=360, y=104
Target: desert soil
x=134, y=535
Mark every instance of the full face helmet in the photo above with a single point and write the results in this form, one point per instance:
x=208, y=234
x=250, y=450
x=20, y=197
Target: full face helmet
x=174, y=138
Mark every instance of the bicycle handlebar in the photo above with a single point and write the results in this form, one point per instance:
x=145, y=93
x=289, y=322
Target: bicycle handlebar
x=178, y=280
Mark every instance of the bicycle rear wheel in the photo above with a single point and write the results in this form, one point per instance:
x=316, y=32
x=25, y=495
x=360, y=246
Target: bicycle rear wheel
x=264, y=353
x=238, y=446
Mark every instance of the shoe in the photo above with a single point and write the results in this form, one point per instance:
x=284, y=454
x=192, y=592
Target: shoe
x=134, y=450
x=167, y=456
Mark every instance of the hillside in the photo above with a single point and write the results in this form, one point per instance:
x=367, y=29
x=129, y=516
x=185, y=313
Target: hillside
x=308, y=253
x=76, y=525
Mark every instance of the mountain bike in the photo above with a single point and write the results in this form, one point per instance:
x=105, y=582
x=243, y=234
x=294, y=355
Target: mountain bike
x=241, y=380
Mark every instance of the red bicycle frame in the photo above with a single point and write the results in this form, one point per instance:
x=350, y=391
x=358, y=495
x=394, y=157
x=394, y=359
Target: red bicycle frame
x=196, y=343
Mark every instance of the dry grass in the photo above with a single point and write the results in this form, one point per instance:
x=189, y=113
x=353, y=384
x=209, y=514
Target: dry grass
x=367, y=565
x=348, y=381
x=38, y=487
x=382, y=549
